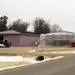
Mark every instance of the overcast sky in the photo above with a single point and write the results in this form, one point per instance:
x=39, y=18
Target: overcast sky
x=61, y=12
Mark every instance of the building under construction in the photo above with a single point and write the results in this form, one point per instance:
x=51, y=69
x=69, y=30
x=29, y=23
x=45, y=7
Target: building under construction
x=57, y=39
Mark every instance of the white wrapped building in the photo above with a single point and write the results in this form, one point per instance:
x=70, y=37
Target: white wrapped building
x=57, y=39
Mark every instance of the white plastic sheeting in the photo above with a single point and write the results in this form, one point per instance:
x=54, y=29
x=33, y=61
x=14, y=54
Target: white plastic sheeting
x=57, y=38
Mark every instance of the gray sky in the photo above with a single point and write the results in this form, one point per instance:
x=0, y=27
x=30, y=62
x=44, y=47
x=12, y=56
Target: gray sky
x=61, y=12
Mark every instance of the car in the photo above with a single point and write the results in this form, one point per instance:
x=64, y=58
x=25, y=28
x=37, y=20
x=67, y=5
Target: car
x=2, y=46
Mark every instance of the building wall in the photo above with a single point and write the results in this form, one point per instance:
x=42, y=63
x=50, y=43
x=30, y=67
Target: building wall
x=13, y=39
x=28, y=40
x=21, y=40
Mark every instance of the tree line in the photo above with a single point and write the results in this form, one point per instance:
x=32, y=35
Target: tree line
x=40, y=26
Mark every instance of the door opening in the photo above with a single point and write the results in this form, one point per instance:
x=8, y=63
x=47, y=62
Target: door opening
x=1, y=38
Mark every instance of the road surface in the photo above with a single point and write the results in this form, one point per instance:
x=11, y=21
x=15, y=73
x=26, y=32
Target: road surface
x=55, y=67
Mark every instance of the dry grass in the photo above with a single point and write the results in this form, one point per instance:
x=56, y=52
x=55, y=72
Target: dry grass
x=10, y=64
x=46, y=50
x=24, y=51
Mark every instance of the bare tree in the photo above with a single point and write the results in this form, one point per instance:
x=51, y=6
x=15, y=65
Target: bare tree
x=15, y=25
x=55, y=28
x=41, y=26
x=3, y=22
x=19, y=25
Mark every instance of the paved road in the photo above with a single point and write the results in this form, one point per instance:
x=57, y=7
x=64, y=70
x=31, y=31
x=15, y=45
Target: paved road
x=57, y=67
x=68, y=71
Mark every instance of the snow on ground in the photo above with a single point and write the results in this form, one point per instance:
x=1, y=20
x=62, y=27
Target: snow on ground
x=32, y=51
x=11, y=59
x=22, y=59
x=18, y=61
x=63, y=52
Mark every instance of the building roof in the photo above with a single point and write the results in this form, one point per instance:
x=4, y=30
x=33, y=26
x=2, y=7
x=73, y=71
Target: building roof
x=65, y=32
x=10, y=32
x=62, y=32
x=13, y=32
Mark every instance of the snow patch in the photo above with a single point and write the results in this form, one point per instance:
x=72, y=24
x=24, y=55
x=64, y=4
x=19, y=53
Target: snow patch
x=11, y=59
x=32, y=51
x=63, y=52
x=20, y=59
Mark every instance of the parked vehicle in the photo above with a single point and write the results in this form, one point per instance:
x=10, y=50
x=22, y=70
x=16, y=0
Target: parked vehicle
x=2, y=46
